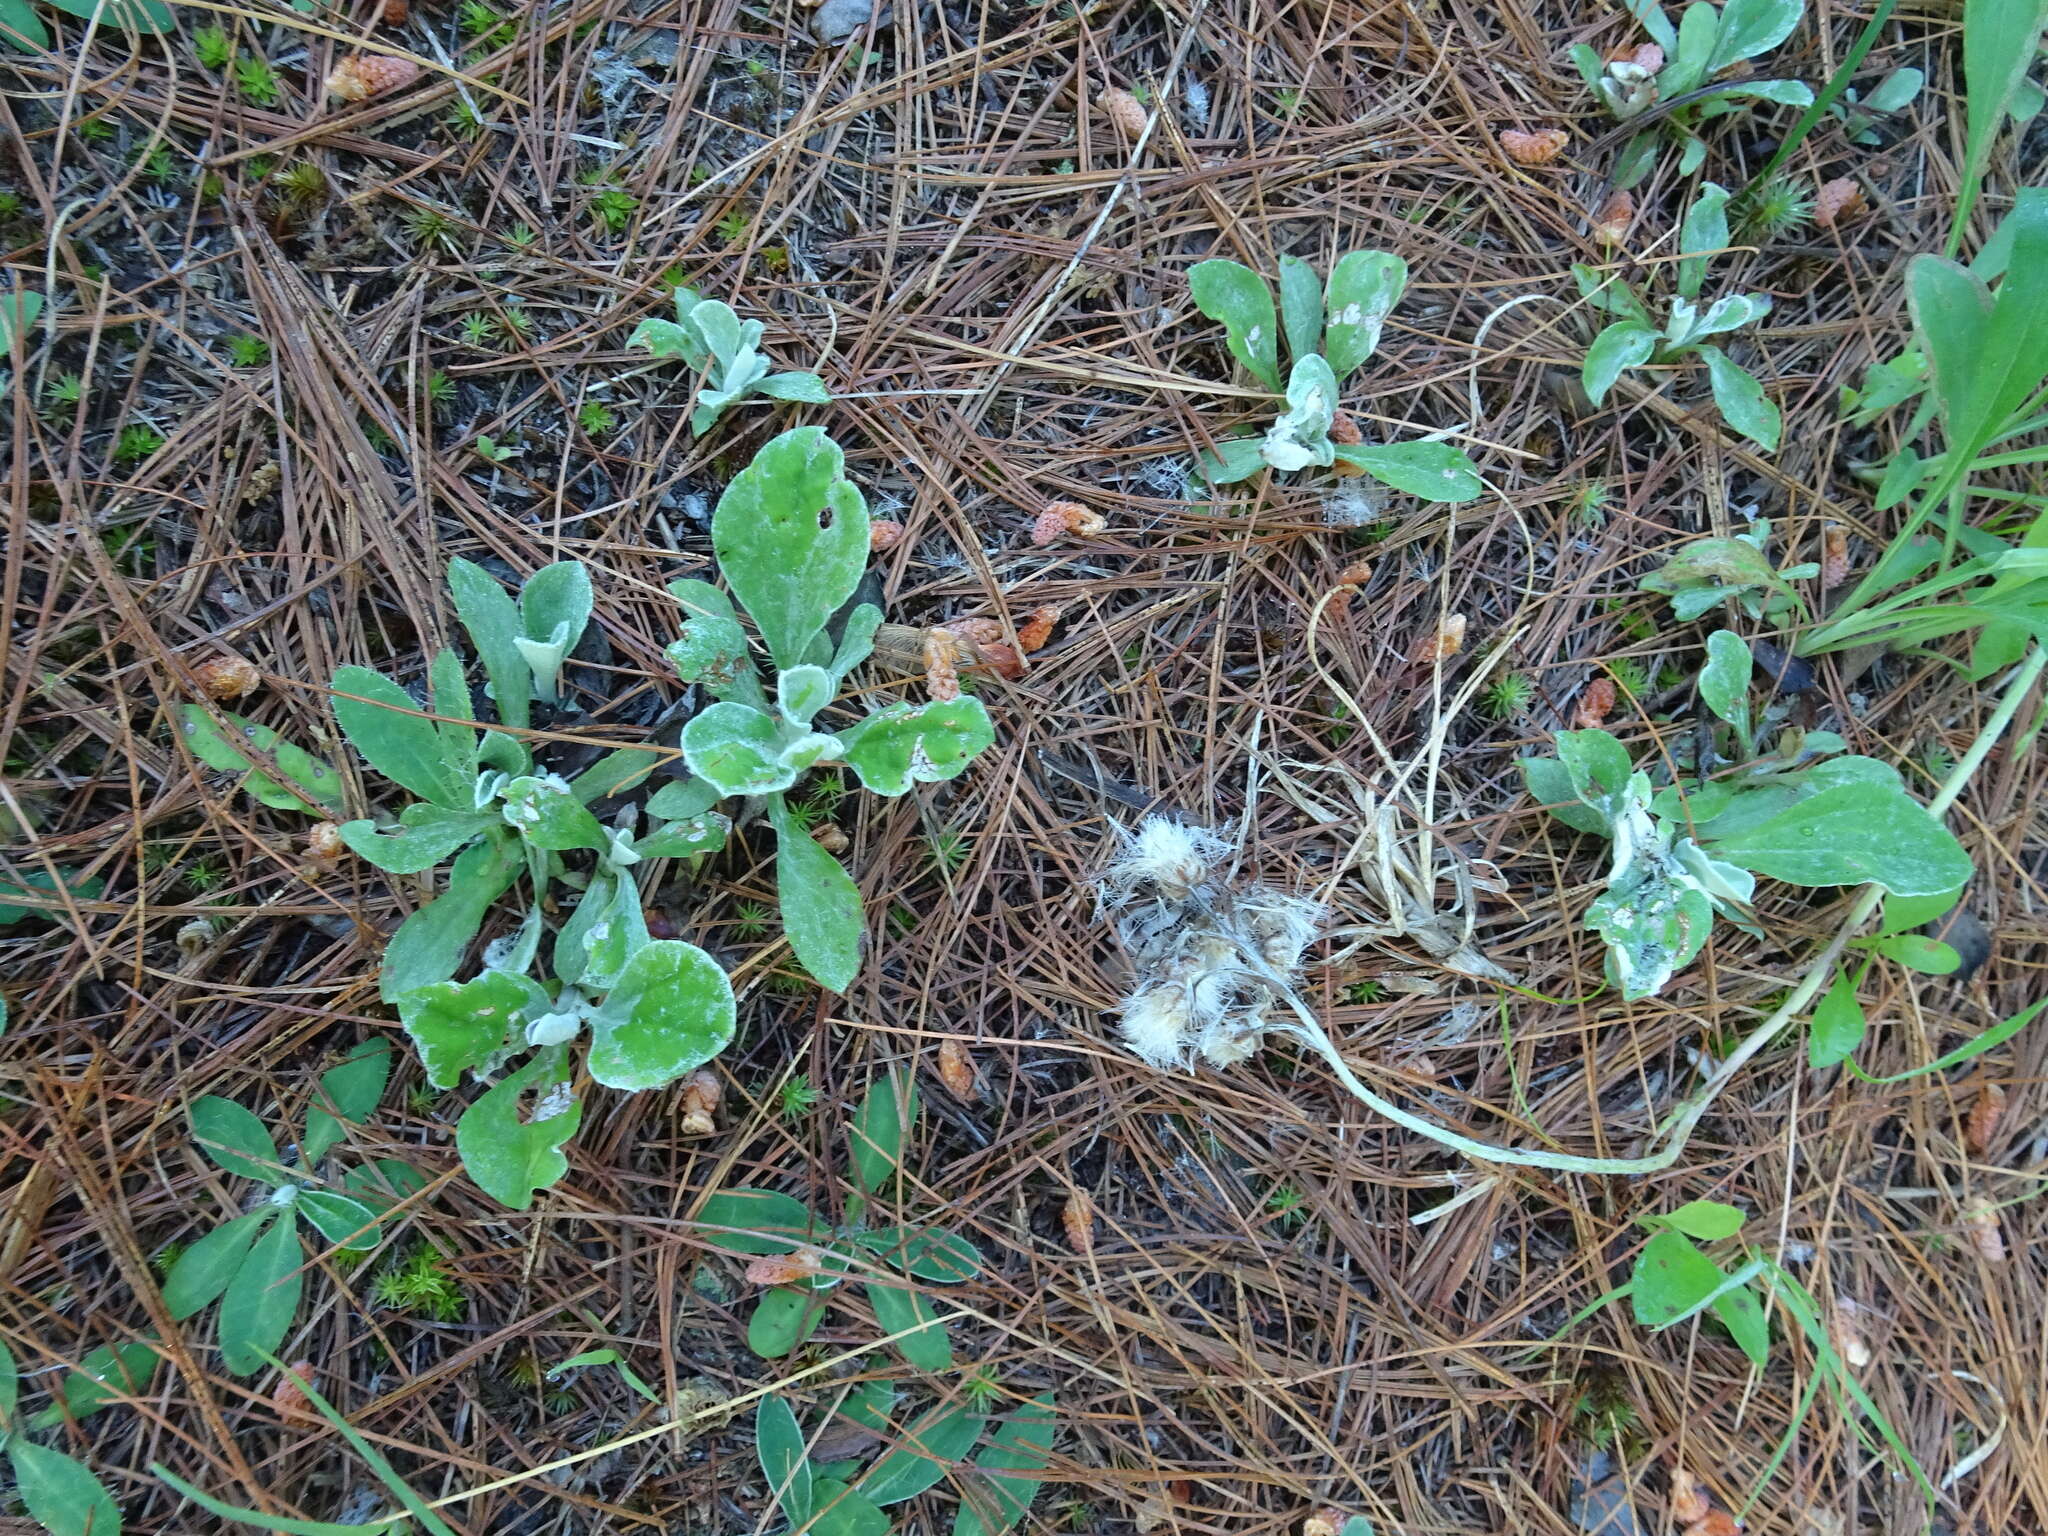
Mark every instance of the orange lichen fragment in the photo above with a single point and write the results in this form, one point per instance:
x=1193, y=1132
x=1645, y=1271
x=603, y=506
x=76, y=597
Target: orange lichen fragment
x=1356, y=574
x=1037, y=629
x=324, y=847
x=883, y=533
x=289, y=1399
x=1688, y=1504
x=1344, y=432
x=985, y=646
x=1610, y=224
x=956, y=1070
x=1061, y=517
x=227, y=678
x=1594, y=704
x=1837, y=201
x=396, y=12
x=701, y=1092
x=1539, y=148
x=786, y=1268
x=1448, y=640
x=1077, y=1217
x=1834, y=556
x=941, y=668
x=1123, y=109
x=831, y=837
x=363, y=75
x=1980, y=1220
x=1982, y=1126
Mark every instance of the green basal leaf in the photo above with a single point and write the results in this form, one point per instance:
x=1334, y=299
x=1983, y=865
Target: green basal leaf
x=384, y=1183
x=1919, y=953
x=545, y=812
x=1550, y=784
x=879, y=1129
x=39, y=883
x=930, y=1449
x=711, y=649
x=791, y=536
x=670, y=1012
x=1902, y=914
x=315, y=780
x=1238, y=298
x=1741, y=400
x=386, y=725
x=1598, y=766
x=458, y=1026
x=779, y=1445
x=1724, y=681
x=1022, y=1444
x=555, y=604
x=856, y=641
x=805, y=387
x=1850, y=834
x=680, y=799
x=1707, y=1220
x=1234, y=459
x=1301, y=307
x=429, y=945
x=1364, y=288
x=784, y=1319
x=603, y=934
x=236, y=1140
x=926, y=1252
x=1621, y=346
x=347, y=1223
x=737, y=750
x=61, y=1495
x=1432, y=471
x=1752, y=27
x=1705, y=230
x=908, y=744
x=102, y=1376
x=151, y=16
x=10, y=1388
x=616, y=773
x=800, y=692
x=925, y=1345
x=511, y=1138
x=1838, y=1024
x=821, y=910
x=768, y=1222
x=262, y=1298
x=1671, y=1278
x=426, y=835
x=349, y=1092
x=456, y=727
x=843, y=1512
x=204, y=1269
x=684, y=839
x=489, y=614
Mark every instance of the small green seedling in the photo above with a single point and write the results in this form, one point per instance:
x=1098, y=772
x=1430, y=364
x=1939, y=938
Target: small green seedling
x=654, y=1009
x=842, y=1499
x=1706, y=573
x=791, y=538
x=1860, y=115
x=708, y=336
x=765, y=1223
x=1331, y=330
x=610, y=1357
x=18, y=311
x=1687, y=57
x=493, y=450
x=59, y=1491
x=1690, y=851
x=251, y=1264
x=1633, y=338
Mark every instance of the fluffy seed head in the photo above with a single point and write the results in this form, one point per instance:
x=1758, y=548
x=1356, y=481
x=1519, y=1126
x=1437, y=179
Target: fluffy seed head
x=1169, y=855
x=1156, y=1023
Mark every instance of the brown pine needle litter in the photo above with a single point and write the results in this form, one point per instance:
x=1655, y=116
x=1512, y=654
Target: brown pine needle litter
x=1245, y=721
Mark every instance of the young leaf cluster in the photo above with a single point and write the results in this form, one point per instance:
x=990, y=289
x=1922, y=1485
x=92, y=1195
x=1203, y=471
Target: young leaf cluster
x=790, y=535
x=1689, y=851
x=1331, y=330
x=59, y=1491
x=251, y=1263
x=1635, y=337
x=1706, y=42
x=710, y=338
x=765, y=1223
x=843, y=1499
